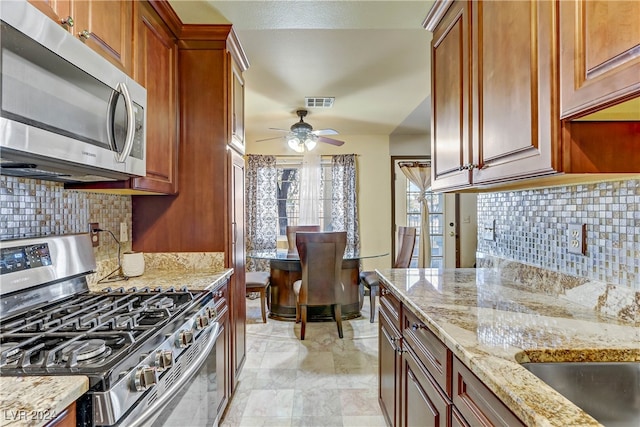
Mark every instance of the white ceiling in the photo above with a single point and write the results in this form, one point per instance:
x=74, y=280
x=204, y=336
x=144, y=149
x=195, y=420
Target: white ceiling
x=372, y=56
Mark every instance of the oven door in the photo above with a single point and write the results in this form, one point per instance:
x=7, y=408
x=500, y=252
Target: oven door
x=194, y=398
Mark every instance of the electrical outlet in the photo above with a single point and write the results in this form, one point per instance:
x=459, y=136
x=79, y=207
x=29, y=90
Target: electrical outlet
x=489, y=233
x=124, y=234
x=95, y=235
x=577, y=239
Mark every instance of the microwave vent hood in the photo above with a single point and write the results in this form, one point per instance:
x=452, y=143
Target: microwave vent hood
x=66, y=113
x=24, y=165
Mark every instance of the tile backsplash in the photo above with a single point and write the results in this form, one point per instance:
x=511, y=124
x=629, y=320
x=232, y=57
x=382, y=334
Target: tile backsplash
x=34, y=208
x=531, y=227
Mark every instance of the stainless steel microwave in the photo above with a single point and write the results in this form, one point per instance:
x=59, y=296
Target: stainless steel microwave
x=67, y=114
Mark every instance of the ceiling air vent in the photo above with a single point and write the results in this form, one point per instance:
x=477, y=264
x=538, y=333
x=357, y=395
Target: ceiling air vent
x=319, y=101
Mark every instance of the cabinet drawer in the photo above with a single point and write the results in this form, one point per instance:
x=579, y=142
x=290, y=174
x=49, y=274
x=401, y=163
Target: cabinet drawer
x=391, y=305
x=477, y=404
x=433, y=354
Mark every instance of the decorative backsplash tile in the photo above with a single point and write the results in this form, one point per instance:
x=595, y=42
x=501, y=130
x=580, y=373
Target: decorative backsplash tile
x=531, y=227
x=30, y=208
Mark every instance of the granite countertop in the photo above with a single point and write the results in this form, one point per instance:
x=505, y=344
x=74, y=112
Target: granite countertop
x=35, y=400
x=493, y=324
x=198, y=280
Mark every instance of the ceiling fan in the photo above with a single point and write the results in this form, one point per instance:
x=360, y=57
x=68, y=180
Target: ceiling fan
x=301, y=135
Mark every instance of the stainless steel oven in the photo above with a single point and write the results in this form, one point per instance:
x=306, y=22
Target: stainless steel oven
x=154, y=357
x=195, y=399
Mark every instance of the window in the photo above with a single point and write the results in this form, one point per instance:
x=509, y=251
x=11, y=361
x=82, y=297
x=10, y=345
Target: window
x=288, y=199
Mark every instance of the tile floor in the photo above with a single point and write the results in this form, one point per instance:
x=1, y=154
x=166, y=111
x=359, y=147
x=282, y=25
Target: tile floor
x=321, y=381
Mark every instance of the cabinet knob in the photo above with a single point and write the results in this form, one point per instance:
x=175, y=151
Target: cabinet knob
x=417, y=326
x=68, y=21
x=384, y=292
x=85, y=34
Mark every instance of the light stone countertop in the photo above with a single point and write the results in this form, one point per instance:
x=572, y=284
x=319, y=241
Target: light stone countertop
x=492, y=325
x=35, y=400
x=198, y=280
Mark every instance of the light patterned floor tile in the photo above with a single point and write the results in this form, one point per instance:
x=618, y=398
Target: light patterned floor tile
x=320, y=381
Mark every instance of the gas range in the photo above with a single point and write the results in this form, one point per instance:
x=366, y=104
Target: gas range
x=134, y=345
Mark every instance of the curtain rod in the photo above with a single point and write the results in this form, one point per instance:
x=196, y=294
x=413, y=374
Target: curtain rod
x=300, y=156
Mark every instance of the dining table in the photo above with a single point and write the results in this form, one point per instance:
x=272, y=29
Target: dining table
x=286, y=269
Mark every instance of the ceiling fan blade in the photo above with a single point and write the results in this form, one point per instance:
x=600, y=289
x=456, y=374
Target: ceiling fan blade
x=281, y=130
x=269, y=139
x=330, y=141
x=325, y=132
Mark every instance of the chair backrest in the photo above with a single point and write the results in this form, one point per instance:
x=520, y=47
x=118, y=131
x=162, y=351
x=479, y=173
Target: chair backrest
x=321, y=260
x=406, y=242
x=291, y=235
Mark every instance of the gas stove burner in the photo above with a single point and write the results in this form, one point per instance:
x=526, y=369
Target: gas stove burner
x=126, y=321
x=85, y=349
x=164, y=302
x=12, y=349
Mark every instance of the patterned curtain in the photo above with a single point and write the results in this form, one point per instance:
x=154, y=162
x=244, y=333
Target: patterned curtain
x=344, y=206
x=262, y=207
x=420, y=175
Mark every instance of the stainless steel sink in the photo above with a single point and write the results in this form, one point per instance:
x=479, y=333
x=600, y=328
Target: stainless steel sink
x=609, y=392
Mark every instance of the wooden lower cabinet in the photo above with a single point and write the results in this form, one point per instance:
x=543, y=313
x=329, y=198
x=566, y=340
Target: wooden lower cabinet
x=423, y=402
x=389, y=374
x=66, y=418
x=476, y=403
x=422, y=384
x=223, y=348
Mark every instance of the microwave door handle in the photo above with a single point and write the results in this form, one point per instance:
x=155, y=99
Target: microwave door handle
x=170, y=393
x=131, y=124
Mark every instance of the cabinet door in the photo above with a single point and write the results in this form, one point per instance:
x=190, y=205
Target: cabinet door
x=66, y=418
x=106, y=27
x=600, y=48
x=423, y=403
x=515, y=109
x=388, y=369
x=222, y=363
x=58, y=10
x=155, y=68
x=237, y=110
x=477, y=404
x=237, y=261
x=450, y=133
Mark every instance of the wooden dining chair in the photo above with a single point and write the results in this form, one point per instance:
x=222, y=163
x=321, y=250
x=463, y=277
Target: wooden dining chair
x=291, y=235
x=321, y=284
x=369, y=279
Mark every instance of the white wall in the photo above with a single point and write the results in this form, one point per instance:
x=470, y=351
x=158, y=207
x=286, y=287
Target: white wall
x=374, y=187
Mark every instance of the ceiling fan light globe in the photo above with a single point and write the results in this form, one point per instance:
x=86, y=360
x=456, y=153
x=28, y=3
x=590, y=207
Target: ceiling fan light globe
x=310, y=143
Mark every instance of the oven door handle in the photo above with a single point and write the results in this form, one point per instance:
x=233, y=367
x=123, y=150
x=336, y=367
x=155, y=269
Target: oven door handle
x=170, y=393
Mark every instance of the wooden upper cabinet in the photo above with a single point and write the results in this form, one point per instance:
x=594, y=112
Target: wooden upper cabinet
x=493, y=98
x=450, y=99
x=57, y=10
x=237, y=110
x=155, y=68
x=514, y=98
x=600, y=46
x=106, y=27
